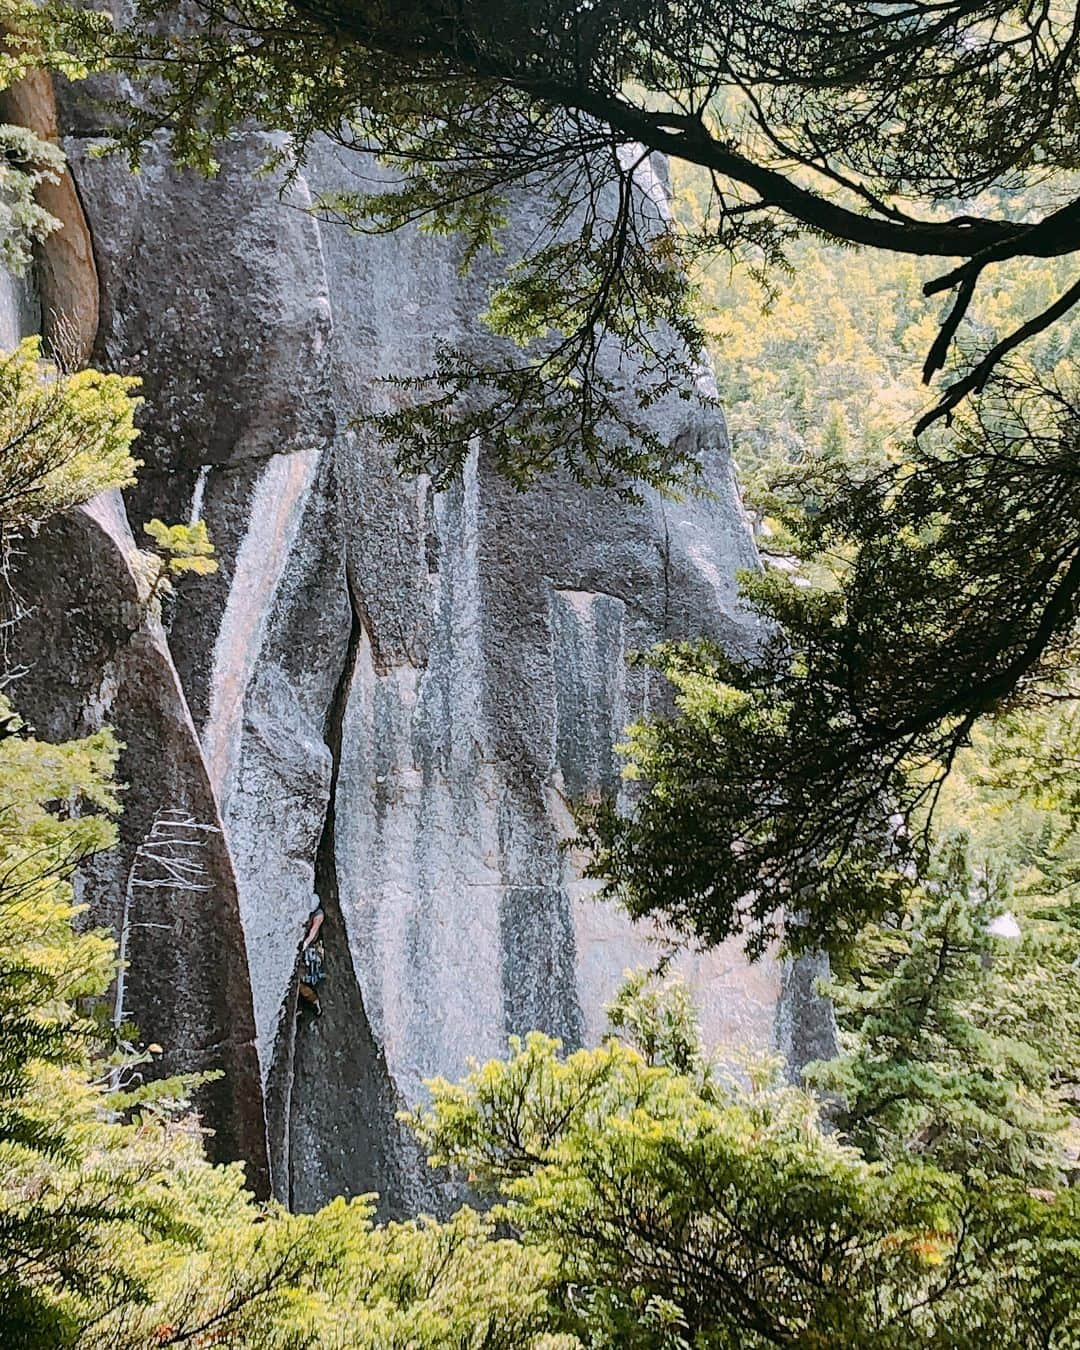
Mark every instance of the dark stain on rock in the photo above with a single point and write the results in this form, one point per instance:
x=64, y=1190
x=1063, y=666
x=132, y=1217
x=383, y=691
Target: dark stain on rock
x=332, y=1086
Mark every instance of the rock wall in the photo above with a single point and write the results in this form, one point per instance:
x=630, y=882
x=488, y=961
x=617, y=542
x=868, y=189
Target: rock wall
x=98, y=657
x=383, y=699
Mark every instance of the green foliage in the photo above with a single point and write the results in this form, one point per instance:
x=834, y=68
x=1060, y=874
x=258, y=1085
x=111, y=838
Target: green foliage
x=933, y=1066
x=1014, y=791
x=782, y=782
x=712, y=842
x=183, y=549
x=1030, y=771
x=116, y=1231
x=660, y=1022
x=428, y=1285
x=653, y=1201
x=26, y=161
x=33, y=40
x=559, y=395
x=43, y=959
x=63, y=438
x=59, y=1204
x=687, y=1210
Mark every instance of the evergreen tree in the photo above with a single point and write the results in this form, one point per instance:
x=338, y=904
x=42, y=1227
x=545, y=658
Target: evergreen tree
x=684, y=1208
x=784, y=778
x=63, y=437
x=928, y=1069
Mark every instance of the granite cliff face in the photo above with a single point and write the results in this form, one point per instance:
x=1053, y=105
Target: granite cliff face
x=381, y=701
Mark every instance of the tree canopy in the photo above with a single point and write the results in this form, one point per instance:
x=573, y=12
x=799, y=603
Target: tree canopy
x=797, y=772
x=872, y=124
x=684, y=1207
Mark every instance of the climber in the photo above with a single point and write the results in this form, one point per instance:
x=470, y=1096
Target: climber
x=312, y=971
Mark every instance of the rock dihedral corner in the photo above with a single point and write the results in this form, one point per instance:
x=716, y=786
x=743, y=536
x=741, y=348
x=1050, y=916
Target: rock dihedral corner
x=382, y=698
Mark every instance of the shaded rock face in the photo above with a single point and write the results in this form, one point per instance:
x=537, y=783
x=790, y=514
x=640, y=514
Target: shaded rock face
x=98, y=658
x=20, y=309
x=384, y=697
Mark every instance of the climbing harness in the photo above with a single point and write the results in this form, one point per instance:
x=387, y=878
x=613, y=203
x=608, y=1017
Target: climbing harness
x=314, y=971
x=312, y=968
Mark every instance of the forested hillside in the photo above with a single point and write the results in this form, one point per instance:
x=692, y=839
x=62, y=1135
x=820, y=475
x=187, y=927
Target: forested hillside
x=820, y=355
